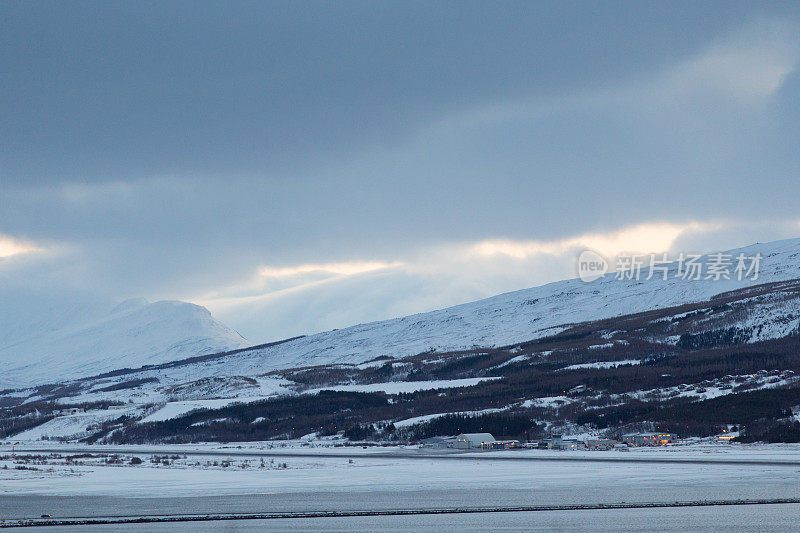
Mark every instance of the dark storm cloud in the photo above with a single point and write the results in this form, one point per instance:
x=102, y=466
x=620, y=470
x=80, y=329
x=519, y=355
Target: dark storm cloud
x=97, y=91
x=182, y=149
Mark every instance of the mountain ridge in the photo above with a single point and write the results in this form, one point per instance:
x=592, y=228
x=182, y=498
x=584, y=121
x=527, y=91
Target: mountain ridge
x=522, y=315
x=500, y=320
x=133, y=333
x=633, y=347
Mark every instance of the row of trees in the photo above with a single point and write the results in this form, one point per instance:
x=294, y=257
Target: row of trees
x=519, y=426
x=772, y=431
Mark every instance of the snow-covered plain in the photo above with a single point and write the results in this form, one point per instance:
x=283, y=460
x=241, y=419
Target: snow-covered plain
x=315, y=470
x=202, y=480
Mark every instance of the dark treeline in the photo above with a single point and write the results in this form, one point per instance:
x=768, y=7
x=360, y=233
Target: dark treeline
x=12, y=426
x=686, y=417
x=287, y=417
x=128, y=384
x=772, y=431
x=518, y=426
x=328, y=412
x=19, y=418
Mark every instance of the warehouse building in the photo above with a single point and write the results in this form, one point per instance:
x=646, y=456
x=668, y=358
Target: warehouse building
x=558, y=442
x=439, y=442
x=649, y=439
x=474, y=440
x=503, y=445
x=597, y=443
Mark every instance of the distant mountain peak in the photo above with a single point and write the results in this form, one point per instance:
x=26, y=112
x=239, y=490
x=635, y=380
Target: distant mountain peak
x=133, y=334
x=129, y=305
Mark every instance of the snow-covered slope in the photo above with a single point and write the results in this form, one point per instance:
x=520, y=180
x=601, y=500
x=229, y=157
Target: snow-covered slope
x=170, y=330
x=768, y=313
x=512, y=317
x=133, y=334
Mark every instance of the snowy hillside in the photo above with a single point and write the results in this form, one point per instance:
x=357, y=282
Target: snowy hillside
x=133, y=334
x=514, y=317
x=657, y=341
x=137, y=334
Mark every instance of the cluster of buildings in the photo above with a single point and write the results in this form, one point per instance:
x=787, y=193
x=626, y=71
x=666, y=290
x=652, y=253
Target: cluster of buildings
x=558, y=442
x=465, y=441
x=729, y=382
x=486, y=441
x=649, y=439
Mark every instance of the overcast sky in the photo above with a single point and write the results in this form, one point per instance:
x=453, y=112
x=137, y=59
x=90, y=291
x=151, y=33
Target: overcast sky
x=299, y=166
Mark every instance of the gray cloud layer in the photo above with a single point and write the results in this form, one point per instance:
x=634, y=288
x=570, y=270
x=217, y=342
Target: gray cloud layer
x=173, y=150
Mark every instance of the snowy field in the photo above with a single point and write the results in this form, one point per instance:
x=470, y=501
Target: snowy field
x=254, y=478
x=203, y=475
x=774, y=518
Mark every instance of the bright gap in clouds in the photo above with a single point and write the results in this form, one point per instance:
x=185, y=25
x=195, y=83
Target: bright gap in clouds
x=273, y=280
x=310, y=297
x=345, y=269
x=10, y=247
x=642, y=238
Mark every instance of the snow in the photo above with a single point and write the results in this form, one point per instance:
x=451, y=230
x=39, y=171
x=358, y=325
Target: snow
x=176, y=409
x=712, y=391
x=548, y=401
x=72, y=426
x=604, y=364
x=397, y=387
x=131, y=335
x=506, y=319
x=308, y=473
x=426, y=418
x=373, y=364
x=778, y=318
x=601, y=346
x=514, y=360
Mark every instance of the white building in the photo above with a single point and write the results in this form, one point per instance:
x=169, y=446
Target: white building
x=558, y=442
x=649, y=439
x=439, y=442
x=597, y=443
x=474, y=440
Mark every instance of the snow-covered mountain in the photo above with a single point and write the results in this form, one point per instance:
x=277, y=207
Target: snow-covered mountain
x=136, y=334
x=516, y=316
x=132, y=334
x=577, y=327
